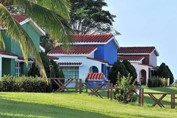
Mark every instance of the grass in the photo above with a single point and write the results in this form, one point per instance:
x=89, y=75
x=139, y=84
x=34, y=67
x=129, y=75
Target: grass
x=73, y=105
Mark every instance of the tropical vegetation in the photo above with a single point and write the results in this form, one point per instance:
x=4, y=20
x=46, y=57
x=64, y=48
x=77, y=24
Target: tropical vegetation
x=51, y=15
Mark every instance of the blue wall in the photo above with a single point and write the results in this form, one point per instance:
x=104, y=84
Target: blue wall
x=107, y=52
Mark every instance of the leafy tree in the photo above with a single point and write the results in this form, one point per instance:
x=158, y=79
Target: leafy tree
x=52, y=15
x=163, y=71
x=171, y=75
x=88, y=17
x=130, y=69
x=117, y=67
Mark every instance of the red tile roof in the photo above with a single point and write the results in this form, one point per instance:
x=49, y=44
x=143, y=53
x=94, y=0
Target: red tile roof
x=52, y=57
x=8, y=53
x=20, y=18
x=70, y=63
x=94, y=76
x=97, y=60
x=73, y=50
x=91, y=38
x=136, y=49
x=130, y=58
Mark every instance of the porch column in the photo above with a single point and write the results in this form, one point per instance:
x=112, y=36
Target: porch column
x=0, y=67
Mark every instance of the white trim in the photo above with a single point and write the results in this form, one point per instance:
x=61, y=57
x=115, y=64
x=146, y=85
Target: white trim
x=42, y=48
x=7, y=56
x=157, y=53
x=70, y=65
x=133, y=53
x=70, y=55
x=40, y=31
x=25, y=21
x=134, y=60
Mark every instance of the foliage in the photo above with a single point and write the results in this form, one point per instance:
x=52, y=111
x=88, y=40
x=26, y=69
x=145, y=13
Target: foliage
x=34, y=71
x=130, y=69
x=56, y=73
x=52, y=15
x=125, y=91
x=156, y=81
x=24, y=84
x=171, y=75
x=46, y=42
x=88, y=16
x=163, y=71
x=117, y=67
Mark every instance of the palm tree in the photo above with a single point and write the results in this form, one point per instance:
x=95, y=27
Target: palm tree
x=51, y=15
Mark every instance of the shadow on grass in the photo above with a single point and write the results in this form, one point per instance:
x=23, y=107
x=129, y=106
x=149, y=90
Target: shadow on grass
x=16, y=109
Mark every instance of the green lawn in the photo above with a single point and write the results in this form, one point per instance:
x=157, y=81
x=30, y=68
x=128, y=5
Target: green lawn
x=73, y=105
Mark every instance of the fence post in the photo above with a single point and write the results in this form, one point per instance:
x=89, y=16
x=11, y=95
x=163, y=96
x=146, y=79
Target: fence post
x=172, y=100
x=80, y=86
x=141, y=96
x=111, y=90
x=76, y=87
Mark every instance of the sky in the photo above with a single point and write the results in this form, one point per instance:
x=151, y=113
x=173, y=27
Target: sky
x=148, y=23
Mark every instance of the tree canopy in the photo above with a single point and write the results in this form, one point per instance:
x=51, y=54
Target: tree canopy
x=52, y=15
x=88, y=17
x=117, y=67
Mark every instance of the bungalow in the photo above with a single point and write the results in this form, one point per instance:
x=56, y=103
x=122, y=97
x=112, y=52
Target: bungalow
x=144, y=59
x=90, y=53
x=11, y=60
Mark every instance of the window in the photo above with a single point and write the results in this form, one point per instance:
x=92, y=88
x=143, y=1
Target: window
x=71, y=72
x=17, y=69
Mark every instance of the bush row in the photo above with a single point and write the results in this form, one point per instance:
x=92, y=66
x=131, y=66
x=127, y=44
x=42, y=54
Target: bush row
x=157, y=82
x=24, y=84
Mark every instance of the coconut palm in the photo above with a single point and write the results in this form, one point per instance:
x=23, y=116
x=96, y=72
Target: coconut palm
x=51, y=15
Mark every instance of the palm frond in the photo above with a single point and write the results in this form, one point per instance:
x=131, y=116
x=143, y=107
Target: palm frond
x=2, y=44
x=17, y=33
x=61, y=7
x=55, y=24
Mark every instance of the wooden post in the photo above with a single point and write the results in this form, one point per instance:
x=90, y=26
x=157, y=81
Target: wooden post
x=172, y=100
x=111, y=89
x=141, y=96
x=80, y=86
x=108, y=87
x=76, y=87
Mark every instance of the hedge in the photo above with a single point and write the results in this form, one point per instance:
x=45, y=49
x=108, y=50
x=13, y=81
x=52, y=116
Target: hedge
x=24, y=84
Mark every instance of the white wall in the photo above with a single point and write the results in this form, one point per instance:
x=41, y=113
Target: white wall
x=84, y=68
x=153, y=59
x=138, y=68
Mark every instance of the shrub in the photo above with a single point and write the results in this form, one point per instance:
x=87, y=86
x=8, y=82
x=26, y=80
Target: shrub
x=156, y=81
x=125, y=91
x=26, y=84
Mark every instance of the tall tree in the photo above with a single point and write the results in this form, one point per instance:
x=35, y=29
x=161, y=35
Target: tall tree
x=171, y=75
x=88, y=17
x=117, y=67
x=163, y=71
x=52, y=15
